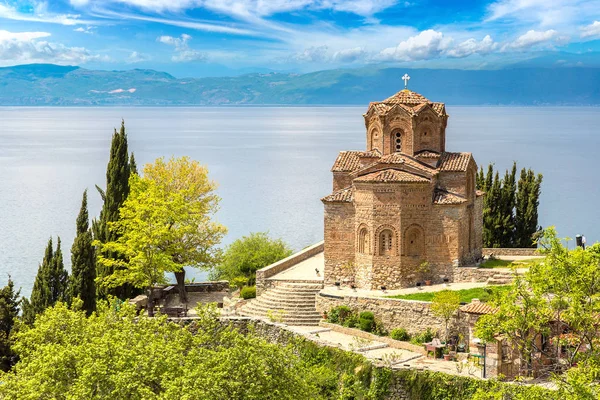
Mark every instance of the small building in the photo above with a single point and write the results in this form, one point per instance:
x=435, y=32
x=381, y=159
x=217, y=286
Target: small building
x=404, y=210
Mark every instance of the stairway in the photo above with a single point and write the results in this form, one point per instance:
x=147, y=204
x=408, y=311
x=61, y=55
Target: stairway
x=288, y=302
x=501, y=278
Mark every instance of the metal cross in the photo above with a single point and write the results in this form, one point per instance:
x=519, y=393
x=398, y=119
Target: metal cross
x=406, y=78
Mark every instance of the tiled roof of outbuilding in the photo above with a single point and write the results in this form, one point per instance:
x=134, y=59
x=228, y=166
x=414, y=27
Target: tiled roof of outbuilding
x=454, y=161
x=477, y=307
x=447, y=198
x=427, y=154
x=342, y=195
x=391, y=175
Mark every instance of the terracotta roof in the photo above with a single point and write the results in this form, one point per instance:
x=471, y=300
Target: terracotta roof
x=454, y=161
x=444, y=197
x=477, y=307
x=399, y=158
x=342, y=195
x=427, y=154
x=391, y=175
x=406, y=96
x=439, y=108
x=348, y=161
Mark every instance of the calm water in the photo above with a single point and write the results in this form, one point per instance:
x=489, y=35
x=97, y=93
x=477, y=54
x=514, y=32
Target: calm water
x=272, y=165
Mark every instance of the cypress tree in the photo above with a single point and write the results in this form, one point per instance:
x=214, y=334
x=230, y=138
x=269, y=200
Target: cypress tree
x=528, y=200
x=83, y=261
x=133, y=165
x=117, y=190
x=506, y=211
x=50, y=285
x=9, y=310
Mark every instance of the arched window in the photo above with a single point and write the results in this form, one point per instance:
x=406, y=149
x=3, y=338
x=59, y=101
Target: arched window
x=386, y=242
x=363, y=241
x=413, y=240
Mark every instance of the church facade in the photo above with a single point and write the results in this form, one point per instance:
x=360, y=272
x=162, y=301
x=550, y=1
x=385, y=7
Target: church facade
x=404, y=210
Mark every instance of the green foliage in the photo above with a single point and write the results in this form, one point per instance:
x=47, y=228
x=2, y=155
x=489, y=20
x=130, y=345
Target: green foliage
x=337, y=315
x=51, y=284
x=118, y=172
x=9, y=310
x=444, y=305
x=83, y=261
x=466, y=295
x=424, y=337
x=248, y=292
x=366, y=321
x=246, y=255
x=400, y=334
x=165, y=224
x=510, y=215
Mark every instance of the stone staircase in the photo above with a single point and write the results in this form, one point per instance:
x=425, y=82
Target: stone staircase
x=501, y=278
x=289, y=302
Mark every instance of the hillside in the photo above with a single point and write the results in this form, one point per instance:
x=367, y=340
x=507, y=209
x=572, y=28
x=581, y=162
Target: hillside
x=52, y=85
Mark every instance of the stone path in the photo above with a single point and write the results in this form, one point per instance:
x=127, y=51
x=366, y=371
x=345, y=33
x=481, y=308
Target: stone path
x=305, y=270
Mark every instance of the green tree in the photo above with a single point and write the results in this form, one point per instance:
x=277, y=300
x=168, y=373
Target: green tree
x=50, y=286
x=445, y=304
x=246, y=255
x=83, y=261
x=116, y=354
x=527, y=203
x=118, y=171
x=507, y=207
x=9, y=310
x=166, y=224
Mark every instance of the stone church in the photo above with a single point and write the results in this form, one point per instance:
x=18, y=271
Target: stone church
x=405, y=210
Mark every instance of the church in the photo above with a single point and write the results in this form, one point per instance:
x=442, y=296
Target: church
x=404, y=211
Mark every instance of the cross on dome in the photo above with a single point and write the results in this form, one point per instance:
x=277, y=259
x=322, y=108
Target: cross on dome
x=406, y=78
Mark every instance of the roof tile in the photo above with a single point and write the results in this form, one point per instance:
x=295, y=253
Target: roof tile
x=477, y=307
x=342, y=195
x=444, y=197
x=457, y=162
x=392, y=175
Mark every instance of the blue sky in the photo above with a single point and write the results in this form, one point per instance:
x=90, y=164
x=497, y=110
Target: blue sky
x=221, y=37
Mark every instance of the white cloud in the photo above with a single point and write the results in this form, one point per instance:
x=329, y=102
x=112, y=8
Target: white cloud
x=591, y=30
x=534, y=38
x=26, y=47
x=426, y=45
x=136, y=57
x=554, y=14
x=350, y=55
x=40, y=13
x=79, y=3
x=88, y=30
x=472, y=46
x=182, y=51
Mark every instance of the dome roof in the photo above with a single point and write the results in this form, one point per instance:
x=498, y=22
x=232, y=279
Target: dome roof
x=407, y=97
x=408, y=100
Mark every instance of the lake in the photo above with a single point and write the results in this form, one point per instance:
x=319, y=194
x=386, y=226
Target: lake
x=272, y=165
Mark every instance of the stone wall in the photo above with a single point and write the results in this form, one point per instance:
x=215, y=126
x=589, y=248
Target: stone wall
x=510, y=252
x=339, y=242
x=473, y=274
x=264, y=273
x=414, y=316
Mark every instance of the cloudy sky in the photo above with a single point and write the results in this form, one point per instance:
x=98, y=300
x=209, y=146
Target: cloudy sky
x=208, y=37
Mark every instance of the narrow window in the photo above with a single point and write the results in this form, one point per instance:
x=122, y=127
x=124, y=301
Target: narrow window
x=385, y=242
x=363, y=241
x=398, y=141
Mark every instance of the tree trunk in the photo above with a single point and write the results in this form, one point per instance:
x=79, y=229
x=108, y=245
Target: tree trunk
x=180, y=277
x=150, y=303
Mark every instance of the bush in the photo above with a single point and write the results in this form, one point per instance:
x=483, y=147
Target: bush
x=248, y=292
x=366, y=321
x=339, y=314
x=351, y=321
x=423, y=337
x=400, y=334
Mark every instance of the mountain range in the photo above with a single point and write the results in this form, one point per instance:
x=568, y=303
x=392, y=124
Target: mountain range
x=54, y=85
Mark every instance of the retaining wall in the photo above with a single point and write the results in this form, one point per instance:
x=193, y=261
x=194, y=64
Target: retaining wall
x=510, y=252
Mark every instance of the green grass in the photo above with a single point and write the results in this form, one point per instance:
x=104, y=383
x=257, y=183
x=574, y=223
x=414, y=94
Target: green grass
x=496, y=263
x=466, y=295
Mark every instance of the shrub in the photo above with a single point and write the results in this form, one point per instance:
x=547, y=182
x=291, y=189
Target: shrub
x=366, y=321
x=339, y=314
x=351, y=321
x=248, y=292
x=423, y=337
x=400, y=334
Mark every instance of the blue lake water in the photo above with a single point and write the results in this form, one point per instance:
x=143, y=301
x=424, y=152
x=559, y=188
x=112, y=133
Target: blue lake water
x=272, y=165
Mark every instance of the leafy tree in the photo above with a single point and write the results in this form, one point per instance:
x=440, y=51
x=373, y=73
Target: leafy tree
x=445, y=303
x=9, y=310
x=118, y=171
x=83, y=261
x=50, y=286
x=166, y=224
x=119, y=355
x=559, y=299
x=245, y=256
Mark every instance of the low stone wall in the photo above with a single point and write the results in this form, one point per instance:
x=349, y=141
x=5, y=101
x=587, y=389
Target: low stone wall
x=216, y=286
x=265, y=273
x=509, y=252
x=473, y=274
x=414, y=316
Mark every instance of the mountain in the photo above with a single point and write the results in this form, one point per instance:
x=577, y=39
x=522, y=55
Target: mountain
x=53, y=85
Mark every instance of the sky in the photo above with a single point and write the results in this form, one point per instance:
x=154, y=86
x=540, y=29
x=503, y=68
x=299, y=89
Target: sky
x=227, y=37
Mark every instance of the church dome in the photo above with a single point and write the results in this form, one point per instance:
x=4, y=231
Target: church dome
x=407, y=97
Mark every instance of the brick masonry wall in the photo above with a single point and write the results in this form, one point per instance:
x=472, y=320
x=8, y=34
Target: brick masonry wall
x=339, y=242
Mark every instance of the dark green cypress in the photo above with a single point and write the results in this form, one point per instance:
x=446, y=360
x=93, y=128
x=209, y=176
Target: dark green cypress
x=83, y=261
x=117, y=190
x=133, y=165
x=522, y=201
x=59, y=278
x=506, y=211
x=9, y=310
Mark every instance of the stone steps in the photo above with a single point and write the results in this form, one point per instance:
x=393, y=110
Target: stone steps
x=288, y=302
x=501, y=278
